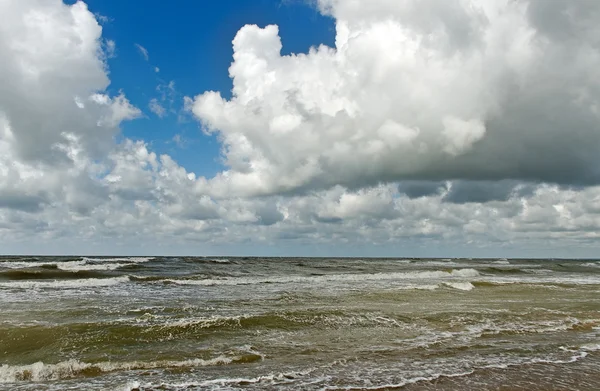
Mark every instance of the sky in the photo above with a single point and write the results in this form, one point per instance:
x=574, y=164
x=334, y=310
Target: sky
x=413, y=128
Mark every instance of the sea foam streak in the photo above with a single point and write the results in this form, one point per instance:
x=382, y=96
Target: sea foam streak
x=225, y=382
x=577, y=354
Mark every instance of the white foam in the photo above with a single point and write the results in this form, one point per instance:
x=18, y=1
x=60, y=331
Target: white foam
x=121, y=259
x=576, y=356
x=82, y=265
x=572, y=279
x=204, y=322
x=591, y=347
x=68, y=369
x=65, y=284
x=463, y=286
x=423, y=275
x=591, y=264
x=538, y=327
x=465, y=273
x=77, y=265
x=21, y=264
x=220, y=260
x=225, y=382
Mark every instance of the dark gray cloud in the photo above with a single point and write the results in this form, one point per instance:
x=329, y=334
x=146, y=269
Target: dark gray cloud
x=268, y=214
x=23, y=202
x=416, y=189
x=462, y=192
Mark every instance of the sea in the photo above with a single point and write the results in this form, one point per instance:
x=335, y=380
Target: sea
x=214, y=323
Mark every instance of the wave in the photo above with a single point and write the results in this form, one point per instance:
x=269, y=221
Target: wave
x=574, y=355
x=335, y=319
x=540, y=327
x=219, y=260
x=504, y=270
x=321, y=378
x=64, y=284
x=119, y=259
x=73, y=368
x=462, y=286
x=591, y=264
x=423, y=275
x=49, y=272
x=78, y=264
x=536, y=279
x=160, y=325
x=238, y=381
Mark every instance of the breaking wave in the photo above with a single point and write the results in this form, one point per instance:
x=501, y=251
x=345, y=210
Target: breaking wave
x=73, y=368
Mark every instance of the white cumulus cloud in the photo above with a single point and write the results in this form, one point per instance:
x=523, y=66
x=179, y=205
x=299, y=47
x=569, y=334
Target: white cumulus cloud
x=414, y=89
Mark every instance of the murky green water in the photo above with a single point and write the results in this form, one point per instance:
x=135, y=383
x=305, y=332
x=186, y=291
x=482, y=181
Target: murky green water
x=298, y=324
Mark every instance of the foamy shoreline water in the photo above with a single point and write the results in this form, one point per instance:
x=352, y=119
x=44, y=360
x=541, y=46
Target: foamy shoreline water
x=314, y=324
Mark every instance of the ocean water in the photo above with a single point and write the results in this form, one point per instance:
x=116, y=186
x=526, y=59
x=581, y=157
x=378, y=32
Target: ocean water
x=133, y=323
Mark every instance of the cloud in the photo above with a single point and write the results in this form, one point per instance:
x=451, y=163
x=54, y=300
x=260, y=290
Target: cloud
x=416, y=189
x=180, y=141
x=414, y=90
x=22, y=202
x=164, y=104
x=56, y=118
x=54, y=77
x=167, y=91
x=110, y=49
x=430, y=125
x=157, y=108
x=485, y=191
x=143, y=51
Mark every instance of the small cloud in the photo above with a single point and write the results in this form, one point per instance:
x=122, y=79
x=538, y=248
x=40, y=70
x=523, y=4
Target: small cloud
x=157, y=108
x=167, y=91
x=188, y=103
x=79, y=102
x=179, y=141
x=110, y=48
x=102, y=19
x=143, y=51
x=156, y=69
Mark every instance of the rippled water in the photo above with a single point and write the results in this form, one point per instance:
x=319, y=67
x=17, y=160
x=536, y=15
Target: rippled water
x=298, y=324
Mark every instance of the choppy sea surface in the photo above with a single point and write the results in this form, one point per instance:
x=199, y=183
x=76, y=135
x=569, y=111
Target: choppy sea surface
x=143, y=323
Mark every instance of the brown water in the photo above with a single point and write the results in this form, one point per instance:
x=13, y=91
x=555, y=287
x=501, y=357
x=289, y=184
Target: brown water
x=298, y=324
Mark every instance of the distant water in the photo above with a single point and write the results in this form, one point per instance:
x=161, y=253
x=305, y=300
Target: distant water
x=298, y=324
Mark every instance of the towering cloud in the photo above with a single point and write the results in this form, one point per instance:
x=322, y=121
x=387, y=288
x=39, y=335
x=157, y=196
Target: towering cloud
x=475, y=90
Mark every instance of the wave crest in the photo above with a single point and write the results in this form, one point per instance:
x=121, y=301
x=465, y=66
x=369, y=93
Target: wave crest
x=40, y=371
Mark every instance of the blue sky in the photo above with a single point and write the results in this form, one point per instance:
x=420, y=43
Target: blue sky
x=300, y=127
x=190, y=44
